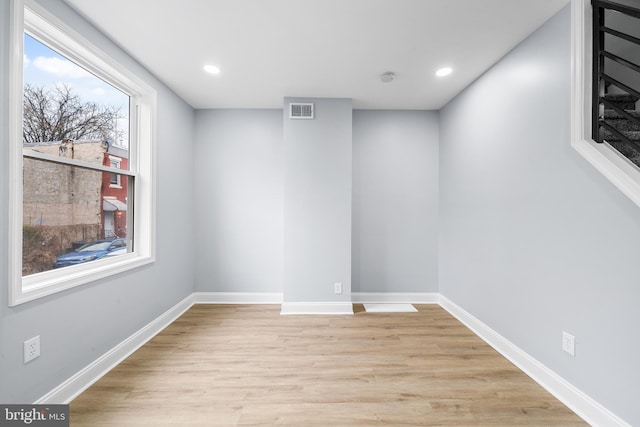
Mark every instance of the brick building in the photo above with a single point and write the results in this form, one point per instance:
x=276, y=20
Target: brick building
x=91, y=203
x=114, y=193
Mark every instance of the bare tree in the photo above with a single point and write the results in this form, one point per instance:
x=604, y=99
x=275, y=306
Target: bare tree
x=59, y=114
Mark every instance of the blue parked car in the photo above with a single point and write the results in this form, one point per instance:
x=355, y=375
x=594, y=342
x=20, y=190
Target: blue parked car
x=91, y=252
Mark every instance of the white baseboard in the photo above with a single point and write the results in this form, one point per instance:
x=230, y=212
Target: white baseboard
x=395, y=297
x=587, y=408
x=237, y=297
x=71, y=388
x=316, y=308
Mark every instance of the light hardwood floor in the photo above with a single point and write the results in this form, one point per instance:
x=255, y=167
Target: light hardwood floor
x=247, y=365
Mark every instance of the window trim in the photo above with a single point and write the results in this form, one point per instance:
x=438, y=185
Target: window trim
x=29, y=15
x=615, y=167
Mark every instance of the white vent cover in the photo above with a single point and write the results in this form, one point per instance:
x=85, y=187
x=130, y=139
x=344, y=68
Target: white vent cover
x=299, y=110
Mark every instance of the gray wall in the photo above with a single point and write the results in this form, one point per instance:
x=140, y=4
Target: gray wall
x=79, y=325
x=239, y=181
x=533, y=240
x=395, y=201
x=317, y=202
x=239, y=184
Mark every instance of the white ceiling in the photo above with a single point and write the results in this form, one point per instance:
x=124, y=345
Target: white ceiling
x=269, y=49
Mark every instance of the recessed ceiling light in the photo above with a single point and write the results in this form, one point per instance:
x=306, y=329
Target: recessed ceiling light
x=444, y=71
x=212, y=69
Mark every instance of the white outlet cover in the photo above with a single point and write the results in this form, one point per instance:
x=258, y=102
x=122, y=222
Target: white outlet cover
x=31, y=349
x=338, y=288
x=569, y=343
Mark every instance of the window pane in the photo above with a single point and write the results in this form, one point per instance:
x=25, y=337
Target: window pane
x=70, y=216
x=68, y=111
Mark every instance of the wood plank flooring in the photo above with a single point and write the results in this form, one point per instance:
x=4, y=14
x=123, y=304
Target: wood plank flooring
x=246, y=365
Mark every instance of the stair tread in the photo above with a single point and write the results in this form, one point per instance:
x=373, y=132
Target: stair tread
x=613, y=114
x=622, y=101
x=621, y=97
x=633, y=135
x=623, y=124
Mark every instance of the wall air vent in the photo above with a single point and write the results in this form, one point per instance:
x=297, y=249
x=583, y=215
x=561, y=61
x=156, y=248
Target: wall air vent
x=299, y=110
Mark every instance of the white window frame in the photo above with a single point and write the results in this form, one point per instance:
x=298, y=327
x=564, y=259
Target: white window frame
x=29, y=15
x=613, y=165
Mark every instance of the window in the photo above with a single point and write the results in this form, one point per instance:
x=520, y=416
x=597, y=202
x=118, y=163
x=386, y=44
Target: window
x=616, y=77
x=598, y=134
x=81, y=158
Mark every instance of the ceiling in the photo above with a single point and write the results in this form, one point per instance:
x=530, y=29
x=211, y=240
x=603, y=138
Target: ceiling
x=269, y=49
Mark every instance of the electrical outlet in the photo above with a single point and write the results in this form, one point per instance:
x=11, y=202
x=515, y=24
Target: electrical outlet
x=31, y=349
x=338, y=288
x=569, y=343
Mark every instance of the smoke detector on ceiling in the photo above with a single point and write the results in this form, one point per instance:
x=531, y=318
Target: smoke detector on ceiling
x=387, y=77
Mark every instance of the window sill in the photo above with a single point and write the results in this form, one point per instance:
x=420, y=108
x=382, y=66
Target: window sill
x=50, y=282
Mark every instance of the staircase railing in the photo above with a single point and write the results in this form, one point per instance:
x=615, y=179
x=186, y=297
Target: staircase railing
x=616, y=119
